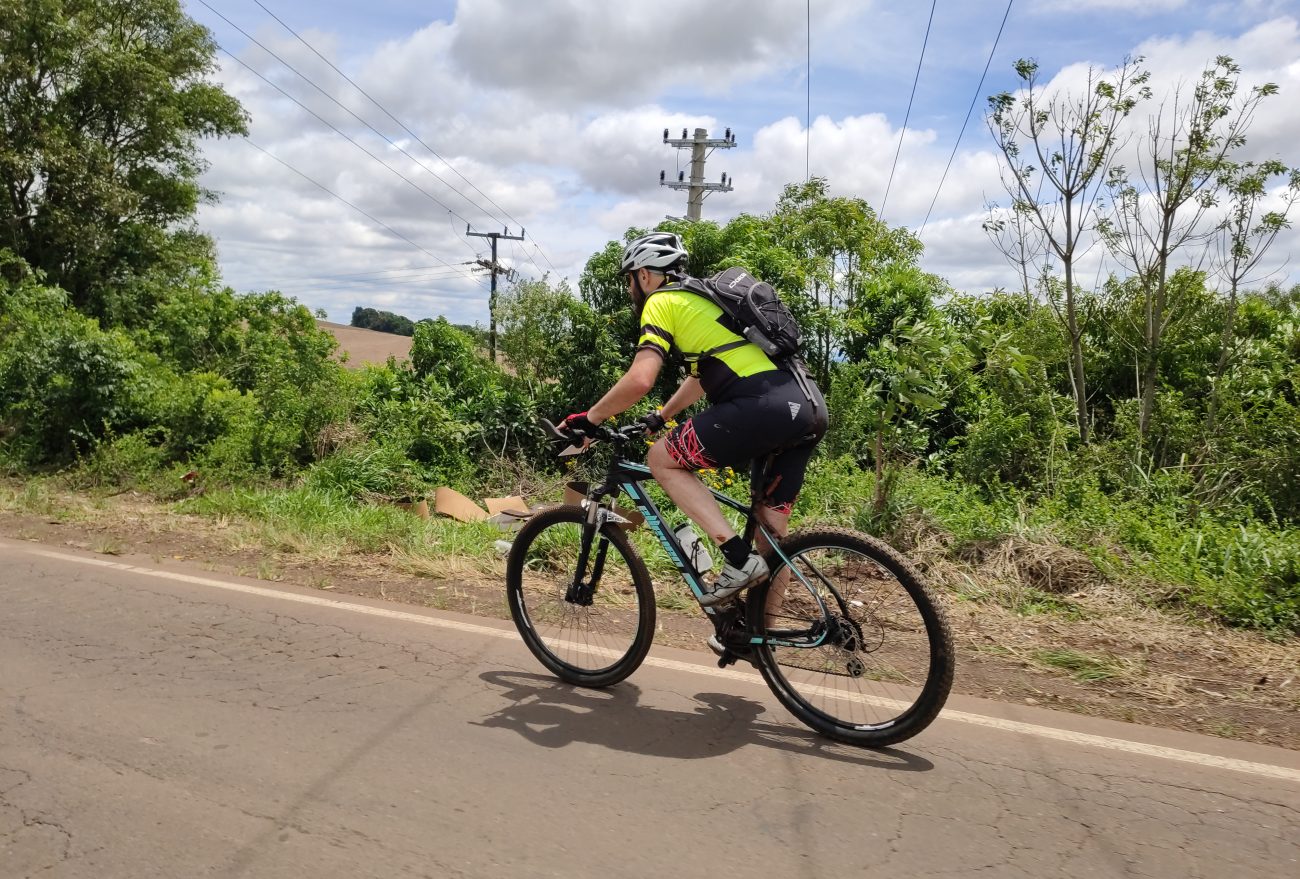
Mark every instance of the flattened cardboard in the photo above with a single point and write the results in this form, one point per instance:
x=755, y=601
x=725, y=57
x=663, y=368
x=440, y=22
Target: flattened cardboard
x=450, y=502
x=419, y=508
x=508, y=521
x=514, y=504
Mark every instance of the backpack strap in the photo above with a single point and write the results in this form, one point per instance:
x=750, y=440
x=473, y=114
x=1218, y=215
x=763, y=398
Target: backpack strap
x=690, y=284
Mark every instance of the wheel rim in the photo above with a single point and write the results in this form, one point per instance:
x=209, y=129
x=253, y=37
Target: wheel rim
x=590, y=638
x=874, y=665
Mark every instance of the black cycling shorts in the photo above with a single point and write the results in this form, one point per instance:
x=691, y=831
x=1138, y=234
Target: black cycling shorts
x=761, y=414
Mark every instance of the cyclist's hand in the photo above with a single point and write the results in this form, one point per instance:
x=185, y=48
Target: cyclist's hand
x=653, y=421
x=579, y=425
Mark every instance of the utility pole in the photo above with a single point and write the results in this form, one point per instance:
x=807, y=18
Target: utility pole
x=701, y=147
x=496, y=269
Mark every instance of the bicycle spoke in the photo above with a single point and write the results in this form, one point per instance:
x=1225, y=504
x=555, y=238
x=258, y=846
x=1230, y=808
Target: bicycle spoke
x=874, y=665
x=593, y=634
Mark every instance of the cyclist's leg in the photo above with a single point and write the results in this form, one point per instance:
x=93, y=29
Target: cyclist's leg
x=778, y=524
x=673, y=464
x=777, y=488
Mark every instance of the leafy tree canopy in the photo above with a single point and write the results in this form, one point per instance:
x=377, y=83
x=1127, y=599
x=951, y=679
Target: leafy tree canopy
x=102, y=106
x=383, y=321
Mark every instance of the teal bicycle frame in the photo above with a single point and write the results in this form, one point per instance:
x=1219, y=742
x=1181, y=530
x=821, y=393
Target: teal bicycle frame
x=628, y=475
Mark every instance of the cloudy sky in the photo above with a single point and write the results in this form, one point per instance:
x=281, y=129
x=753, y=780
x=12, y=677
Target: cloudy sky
x=549, y=115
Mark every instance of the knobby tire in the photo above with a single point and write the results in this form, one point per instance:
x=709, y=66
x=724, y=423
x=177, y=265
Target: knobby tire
x=870, y=722
x=580, y=626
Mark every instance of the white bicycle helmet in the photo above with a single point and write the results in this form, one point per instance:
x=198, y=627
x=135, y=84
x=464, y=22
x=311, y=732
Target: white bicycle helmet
x=658, y=252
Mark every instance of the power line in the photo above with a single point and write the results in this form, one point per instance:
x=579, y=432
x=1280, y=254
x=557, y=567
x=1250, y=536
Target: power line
x=404, y=127
x=807, y=144
x=444, y=274
x=979, y=88
x=361, y=211
x=414, y=288
x=407, y=270
x=345, y=109
x=920, y=61
x=346, y=137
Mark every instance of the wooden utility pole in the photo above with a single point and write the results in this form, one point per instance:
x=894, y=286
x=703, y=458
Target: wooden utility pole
x=496, y=269
x=700, y=146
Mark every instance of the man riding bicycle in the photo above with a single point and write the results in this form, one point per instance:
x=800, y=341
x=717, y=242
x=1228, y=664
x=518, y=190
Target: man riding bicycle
x=756, y=409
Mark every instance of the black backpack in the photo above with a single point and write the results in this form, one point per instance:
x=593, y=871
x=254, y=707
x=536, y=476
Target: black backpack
x=753, y=310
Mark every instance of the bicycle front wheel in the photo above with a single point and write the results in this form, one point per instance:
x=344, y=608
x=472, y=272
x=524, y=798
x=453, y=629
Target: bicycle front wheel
x=884, y=664
x=593, y=634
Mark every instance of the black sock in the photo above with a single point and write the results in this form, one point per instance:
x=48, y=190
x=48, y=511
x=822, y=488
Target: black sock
x=736, y=550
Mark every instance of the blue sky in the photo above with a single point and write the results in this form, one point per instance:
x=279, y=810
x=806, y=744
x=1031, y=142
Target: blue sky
x=555, y=108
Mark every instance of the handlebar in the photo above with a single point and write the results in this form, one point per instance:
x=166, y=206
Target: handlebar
x=621, y=435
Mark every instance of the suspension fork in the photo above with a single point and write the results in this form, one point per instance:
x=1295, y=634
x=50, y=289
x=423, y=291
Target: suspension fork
x=579, y=592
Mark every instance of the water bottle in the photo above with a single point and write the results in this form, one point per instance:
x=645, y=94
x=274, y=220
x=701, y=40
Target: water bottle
x=693, y=548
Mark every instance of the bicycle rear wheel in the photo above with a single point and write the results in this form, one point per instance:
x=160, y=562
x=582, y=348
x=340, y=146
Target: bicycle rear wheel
x=885, y=666
x=593, y=636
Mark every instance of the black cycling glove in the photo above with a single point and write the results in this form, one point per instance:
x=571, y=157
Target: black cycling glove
x=653, y=421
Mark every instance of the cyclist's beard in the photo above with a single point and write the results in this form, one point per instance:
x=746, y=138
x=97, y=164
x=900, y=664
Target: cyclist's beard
x=638, y=296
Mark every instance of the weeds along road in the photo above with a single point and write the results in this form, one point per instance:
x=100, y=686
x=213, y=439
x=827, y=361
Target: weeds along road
x=163, y=722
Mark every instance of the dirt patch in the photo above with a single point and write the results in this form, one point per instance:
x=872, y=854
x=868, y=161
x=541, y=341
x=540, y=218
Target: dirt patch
x=1097, y=652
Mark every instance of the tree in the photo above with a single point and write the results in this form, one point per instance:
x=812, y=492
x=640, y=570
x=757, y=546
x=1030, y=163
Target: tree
x=102, y=105
x=1056, y=148
x=1243, y=238
x=838, y=244
x=1180, y=166
x=880, y=405
x=382, y=321
x=536, y=323
x=1019, y=239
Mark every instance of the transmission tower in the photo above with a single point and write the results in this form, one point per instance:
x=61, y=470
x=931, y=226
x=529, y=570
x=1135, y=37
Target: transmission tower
x=701, y=147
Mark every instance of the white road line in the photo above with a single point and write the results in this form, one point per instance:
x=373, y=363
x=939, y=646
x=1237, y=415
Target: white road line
x=1014, y=726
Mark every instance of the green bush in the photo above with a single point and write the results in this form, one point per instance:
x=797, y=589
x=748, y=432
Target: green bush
x=125, y=461
x=64, y=381
x=368, y=472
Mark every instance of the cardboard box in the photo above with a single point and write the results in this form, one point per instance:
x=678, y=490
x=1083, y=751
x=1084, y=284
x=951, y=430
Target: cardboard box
x=419, y=508
x=507, y=513
x=450, y=502
x=514, y=505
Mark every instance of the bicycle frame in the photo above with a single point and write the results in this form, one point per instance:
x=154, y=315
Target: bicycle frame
x=627, y=476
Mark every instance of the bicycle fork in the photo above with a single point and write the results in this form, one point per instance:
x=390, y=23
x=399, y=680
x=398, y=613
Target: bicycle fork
x=579, y=592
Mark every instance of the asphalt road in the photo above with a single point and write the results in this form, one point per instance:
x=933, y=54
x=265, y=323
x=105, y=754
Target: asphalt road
x=158, y=721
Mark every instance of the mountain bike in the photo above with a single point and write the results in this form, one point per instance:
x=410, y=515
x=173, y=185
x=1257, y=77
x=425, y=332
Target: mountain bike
x=843, y=630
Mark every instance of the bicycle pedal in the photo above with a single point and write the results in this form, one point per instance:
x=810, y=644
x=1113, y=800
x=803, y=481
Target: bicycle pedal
x=726, y=659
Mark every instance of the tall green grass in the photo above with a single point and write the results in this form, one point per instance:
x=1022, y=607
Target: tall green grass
x=1244, y=573
x=329, y=524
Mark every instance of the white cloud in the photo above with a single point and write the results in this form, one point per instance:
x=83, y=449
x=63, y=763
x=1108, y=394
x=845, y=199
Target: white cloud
x=607, y=52
x=1132, y=7
x=520, y=105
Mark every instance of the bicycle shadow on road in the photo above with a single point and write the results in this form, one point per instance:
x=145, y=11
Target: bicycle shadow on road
x=554, y=714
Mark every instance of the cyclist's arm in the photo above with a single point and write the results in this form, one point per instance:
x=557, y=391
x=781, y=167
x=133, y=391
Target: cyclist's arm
x=686, y=396
x=635, y=384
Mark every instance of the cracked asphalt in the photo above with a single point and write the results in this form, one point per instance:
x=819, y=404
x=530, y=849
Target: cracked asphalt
x=153, y=728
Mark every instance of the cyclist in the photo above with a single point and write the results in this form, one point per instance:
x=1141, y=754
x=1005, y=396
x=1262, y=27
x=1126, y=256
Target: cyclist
x=755, y=408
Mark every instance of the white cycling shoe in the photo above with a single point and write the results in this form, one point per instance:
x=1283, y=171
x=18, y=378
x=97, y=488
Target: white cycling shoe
x=732, y=580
